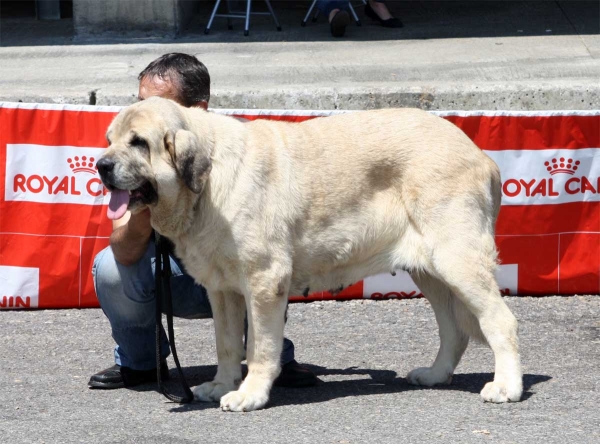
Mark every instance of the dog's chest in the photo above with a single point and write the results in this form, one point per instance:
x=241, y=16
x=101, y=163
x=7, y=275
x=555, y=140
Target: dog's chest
x=207, y=266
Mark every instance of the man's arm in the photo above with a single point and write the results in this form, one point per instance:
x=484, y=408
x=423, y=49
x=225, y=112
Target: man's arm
x=130, y=237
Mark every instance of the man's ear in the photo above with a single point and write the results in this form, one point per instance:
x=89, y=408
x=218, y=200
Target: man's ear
x=191, y=158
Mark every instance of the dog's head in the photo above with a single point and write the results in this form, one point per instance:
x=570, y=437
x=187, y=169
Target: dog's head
x=152, y=157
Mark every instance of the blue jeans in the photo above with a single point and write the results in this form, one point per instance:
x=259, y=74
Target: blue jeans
x=126, y=295
x=326, y=6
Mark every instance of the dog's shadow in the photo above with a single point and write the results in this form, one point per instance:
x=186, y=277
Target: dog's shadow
x=376, y=382
x=380, y=382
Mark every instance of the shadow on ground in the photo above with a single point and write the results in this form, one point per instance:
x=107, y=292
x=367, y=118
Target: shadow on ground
x=376, y=382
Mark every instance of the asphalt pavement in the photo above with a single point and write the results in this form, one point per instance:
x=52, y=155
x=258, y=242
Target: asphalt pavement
x=361, y=350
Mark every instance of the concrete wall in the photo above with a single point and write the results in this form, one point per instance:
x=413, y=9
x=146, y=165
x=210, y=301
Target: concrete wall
x=187, y=8
x=158, y=16
x=48, y=9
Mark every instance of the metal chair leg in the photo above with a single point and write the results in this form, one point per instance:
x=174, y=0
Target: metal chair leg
x=240, y=15
x=248, y=8
x=308, y=13
x=273, y=15
x=212, y=17
x=353, y=12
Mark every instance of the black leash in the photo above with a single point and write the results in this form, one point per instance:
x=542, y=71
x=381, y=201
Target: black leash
x=162, y=276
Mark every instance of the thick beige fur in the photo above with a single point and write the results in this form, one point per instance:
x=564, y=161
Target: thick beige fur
x=280, y=209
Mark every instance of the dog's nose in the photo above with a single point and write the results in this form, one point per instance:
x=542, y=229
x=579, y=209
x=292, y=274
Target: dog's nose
x=105, y=166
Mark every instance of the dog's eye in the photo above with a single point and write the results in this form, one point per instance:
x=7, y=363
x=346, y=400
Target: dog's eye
x=139, y=142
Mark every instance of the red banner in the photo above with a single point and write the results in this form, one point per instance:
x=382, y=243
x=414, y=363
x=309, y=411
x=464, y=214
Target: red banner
x=53, y=205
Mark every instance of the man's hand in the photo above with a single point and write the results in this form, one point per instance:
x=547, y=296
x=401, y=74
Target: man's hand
x=130, y=237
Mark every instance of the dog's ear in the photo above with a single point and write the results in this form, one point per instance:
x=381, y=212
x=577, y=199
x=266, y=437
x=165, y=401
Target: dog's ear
x=190, y=157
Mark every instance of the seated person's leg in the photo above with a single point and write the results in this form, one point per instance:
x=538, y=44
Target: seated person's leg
x=326, y=6
x=190, y=300
x=126, y=295
x=292, y=373
x=377, y=10
x=337, y=15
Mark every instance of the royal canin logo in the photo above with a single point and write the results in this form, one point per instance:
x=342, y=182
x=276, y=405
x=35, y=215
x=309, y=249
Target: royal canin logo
x=548, y=176
x=554, y=186
x=83, y=165
x=67, y=184
x=15, y=302
x=562, y=165
x=54, y=175
x=399, y=285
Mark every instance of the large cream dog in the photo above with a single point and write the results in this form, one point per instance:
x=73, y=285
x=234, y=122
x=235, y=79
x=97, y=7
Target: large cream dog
x=262, y=210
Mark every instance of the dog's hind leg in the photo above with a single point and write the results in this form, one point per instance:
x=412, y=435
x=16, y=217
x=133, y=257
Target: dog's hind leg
x=228, y=313
x=453, y=340
x=467, y=266
x=266, y=302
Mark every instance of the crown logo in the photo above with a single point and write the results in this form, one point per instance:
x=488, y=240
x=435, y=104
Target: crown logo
x=82, y=165
x=562, y=165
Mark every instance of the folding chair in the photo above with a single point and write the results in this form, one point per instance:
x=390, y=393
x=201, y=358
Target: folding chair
x=233, y=14
x=314, y=19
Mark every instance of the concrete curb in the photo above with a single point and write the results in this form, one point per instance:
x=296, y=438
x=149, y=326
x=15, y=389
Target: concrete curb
x=521, y=97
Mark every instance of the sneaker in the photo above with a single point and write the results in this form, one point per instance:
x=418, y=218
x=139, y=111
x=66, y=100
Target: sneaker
x=295, y=375
x=116, y=377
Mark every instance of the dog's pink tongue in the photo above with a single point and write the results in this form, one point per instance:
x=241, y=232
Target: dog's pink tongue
x=119, y=199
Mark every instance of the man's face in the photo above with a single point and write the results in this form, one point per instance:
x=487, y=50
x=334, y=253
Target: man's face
x=161, y=87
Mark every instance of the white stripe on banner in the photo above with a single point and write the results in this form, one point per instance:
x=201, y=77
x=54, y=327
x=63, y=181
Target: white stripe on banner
x=19, y=287
x=402, y=286
x=61, y=107
x=282, y=112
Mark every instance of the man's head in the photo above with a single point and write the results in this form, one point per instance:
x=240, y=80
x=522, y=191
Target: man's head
x=176, y=76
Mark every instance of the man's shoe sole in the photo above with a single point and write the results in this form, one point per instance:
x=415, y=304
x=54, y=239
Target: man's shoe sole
x=106, y=385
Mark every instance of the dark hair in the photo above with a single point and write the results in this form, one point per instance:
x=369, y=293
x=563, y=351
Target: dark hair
x=187, y=73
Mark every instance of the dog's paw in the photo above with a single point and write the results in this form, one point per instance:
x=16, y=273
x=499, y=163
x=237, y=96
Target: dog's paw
x=428, y=376
x=240, y=401
x=498, y=392
x=212, y=391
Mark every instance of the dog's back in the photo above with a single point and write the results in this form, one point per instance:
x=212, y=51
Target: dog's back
x=356, y=156
x=358, y=187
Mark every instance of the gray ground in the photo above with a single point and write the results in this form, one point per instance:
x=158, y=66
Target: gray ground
x=361, y=350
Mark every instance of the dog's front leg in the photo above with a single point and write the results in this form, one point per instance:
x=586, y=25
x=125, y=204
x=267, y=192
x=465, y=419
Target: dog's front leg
x=228, y=313
x=266, y=303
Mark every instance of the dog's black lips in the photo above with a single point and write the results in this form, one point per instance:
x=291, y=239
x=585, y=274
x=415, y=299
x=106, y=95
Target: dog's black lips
x=145, y=194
